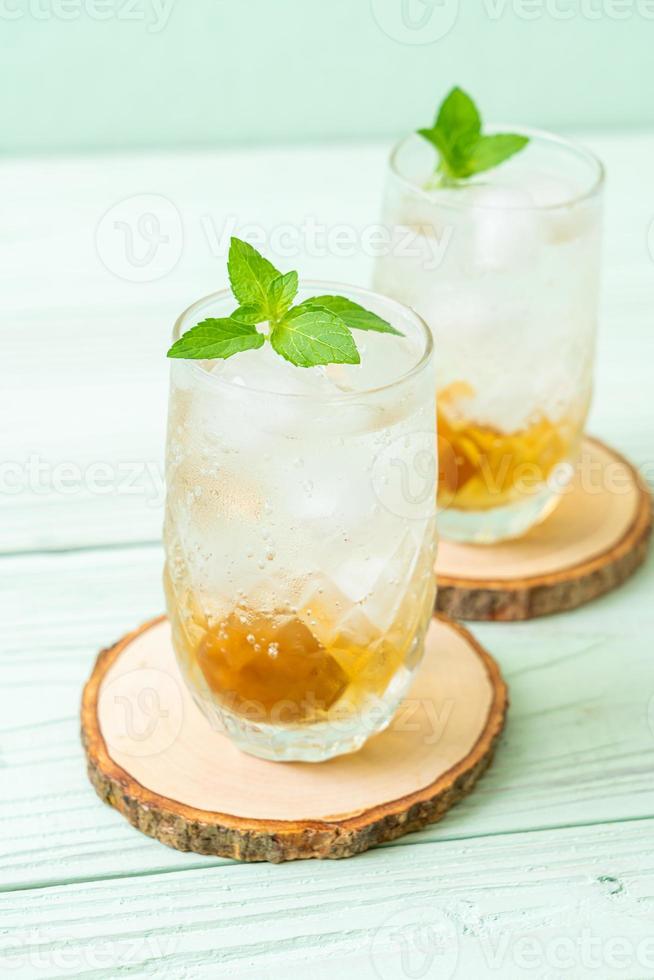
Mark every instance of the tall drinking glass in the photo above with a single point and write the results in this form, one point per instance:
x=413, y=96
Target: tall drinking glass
x=504, y=268
x=300, y=533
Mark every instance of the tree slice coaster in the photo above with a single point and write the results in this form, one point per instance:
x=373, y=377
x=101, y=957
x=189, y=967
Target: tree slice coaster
x=594, y=539
x=153, y=755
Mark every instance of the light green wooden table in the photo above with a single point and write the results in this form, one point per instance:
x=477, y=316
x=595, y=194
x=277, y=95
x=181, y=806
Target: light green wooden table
x=547, y=870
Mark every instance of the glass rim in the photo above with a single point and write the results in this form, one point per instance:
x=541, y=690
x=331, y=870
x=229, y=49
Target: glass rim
x=324, y=286
x=536, y=135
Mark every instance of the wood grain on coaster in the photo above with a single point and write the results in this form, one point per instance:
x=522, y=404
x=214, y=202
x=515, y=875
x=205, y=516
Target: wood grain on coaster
x=153, y=756
x=594, y=540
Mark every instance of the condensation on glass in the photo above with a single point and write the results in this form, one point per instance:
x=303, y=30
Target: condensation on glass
x=504, y=268
x=300, y=534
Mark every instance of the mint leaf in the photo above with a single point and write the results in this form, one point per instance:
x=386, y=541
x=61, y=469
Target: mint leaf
x=250, y=274
x=281, y=293
x=250, y=313
x=462, y=149
x=309, y=335
x=353, y=316
x=458, y=118
x=216, y=338
x=457, y=126
x=489, y=151
x=437, y=139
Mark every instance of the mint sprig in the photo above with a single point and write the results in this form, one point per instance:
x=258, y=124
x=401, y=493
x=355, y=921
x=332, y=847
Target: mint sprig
x=462, y=148
x=316, y=331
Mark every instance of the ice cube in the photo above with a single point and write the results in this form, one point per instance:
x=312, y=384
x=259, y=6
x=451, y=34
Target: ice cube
x=389, y=592
x=564, y=221
x=384, y=359
x=506, y=230
x=457, y=314
x=356, y=575
x=418, y=254
x=377, y=581
x=263, y=397
x=333, y=618
x=264, y=370
x=547, y=190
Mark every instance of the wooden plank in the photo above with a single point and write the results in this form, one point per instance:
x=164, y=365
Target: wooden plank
x=579, y=745
x=500, y=870
x=82, y=422
x=566, y=903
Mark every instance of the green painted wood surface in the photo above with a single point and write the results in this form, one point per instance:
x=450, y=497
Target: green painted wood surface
x=556, y=846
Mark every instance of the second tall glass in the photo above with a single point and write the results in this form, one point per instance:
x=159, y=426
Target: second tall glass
x=504, y=268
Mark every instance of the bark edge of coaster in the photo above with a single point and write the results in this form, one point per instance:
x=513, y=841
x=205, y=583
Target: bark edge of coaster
x=194, y=791
x=500, y=582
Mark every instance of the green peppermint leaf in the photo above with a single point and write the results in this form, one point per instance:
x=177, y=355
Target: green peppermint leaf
x=455, y=129
x=353, y=316
x=250, y=313
x=250, y=274
x=462, y=149
x=437, y=139
x=458, y=118
x=489, y=151
x=309, y=335
x=216, y=338
x=281, y=293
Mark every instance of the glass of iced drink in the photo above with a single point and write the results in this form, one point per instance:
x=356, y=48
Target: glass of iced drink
x=504, y=268
x=300, y=533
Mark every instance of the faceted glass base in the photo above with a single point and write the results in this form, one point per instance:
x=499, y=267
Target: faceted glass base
x=497, y=523
x=312, y=742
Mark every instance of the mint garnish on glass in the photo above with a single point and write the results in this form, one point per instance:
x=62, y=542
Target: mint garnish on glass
x=462, y=148
x=316, y=331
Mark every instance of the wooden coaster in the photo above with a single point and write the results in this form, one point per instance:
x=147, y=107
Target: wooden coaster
x=154, y=757
x=595, y=538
